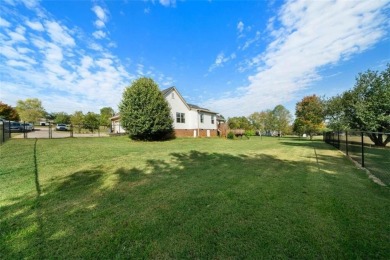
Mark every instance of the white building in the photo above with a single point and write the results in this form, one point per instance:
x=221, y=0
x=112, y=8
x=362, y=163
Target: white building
x=188, y=119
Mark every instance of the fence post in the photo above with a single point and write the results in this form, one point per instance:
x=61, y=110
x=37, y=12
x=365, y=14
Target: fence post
x=362, y=135
x=346, y=142
x=71, y=130
x=338, y=140
x=3, y=137
x=24, y=130
x=9, y=128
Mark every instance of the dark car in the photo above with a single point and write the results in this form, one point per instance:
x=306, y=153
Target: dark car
x=15, y=127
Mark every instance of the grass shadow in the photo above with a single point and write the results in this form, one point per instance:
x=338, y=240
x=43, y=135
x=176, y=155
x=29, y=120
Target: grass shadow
x=195, y=205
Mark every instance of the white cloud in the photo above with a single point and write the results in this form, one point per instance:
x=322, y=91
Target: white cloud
x=4, y=23
x=249, y=42
x=312, y=34
x=100, y=13
x=99, y=34
x=35, y=25
x=168, y=3
x=102, y=16
x=59, y=34
x=45, y=65
x=221, y=59
x=18, y=35
x=240, y=27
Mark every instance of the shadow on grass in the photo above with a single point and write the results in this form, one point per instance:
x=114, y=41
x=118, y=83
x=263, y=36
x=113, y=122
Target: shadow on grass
x=196, y=205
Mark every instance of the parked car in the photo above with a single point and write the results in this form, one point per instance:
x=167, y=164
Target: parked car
x=62, y=127
x=27, y=127
x=15, y=127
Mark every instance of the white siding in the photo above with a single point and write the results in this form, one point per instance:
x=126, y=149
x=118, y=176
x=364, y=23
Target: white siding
x=192, y=117
x=178, y=106
x=207, y=121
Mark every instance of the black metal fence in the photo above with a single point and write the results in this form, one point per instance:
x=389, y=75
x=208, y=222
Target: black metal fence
x=366, y=148
x=23, y=130
x=5, y=132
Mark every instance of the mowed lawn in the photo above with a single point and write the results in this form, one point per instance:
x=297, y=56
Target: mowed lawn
x=104, y=198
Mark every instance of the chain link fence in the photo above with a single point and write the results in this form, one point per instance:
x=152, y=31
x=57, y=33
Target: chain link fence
x=23, y=130
x=369, y=149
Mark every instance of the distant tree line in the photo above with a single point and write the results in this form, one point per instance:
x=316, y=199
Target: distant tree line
x=31, y=110
x=366, y=107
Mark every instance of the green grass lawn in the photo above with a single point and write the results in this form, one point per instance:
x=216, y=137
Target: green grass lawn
x=188, y=198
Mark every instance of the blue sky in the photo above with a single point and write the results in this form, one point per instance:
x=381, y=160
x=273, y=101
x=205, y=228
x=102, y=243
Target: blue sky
x=233, y=57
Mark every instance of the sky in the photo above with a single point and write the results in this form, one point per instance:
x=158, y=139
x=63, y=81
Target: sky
x=232, y=57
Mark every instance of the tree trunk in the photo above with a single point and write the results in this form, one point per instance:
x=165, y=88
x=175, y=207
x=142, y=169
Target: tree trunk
x=378, y=139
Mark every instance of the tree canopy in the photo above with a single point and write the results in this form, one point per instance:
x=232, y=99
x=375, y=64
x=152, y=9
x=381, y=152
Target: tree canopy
x=30, y=110
x=309, y=114
x=144, y=112
x=239, y=123
x=91, y=121
x=61, y=117
x=8, y=113
x=77, y=120
x=105, y=114
x=366, y=107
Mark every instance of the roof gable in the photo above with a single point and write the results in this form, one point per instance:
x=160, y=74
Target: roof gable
x=167, y=91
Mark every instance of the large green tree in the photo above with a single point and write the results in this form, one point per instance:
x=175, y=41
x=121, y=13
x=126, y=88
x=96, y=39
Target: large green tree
x=258, y=121
x=145, y=113
x=282, y=119
x=310, y=115
x=77, y=120
x=30, y=110
x=366, y=107
x=105, y=114
x=61, y=117
x=239, y=123
x=91, y=121
x=8, y=113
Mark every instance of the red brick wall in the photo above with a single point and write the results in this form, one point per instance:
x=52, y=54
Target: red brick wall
x=190, y=132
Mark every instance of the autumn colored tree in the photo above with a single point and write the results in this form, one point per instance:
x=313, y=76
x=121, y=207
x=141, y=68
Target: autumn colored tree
x=8, y=113
x=309, y=114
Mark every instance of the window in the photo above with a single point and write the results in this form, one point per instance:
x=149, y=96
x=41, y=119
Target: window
x=173, y=95
x=212, y=119
x=201, y=118
x=180, y=117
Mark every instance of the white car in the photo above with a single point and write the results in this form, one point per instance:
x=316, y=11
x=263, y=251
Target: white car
x=62, y=127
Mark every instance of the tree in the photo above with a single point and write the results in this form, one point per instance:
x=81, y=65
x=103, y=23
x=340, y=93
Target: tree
x=30, y=110
x=367, y=105
x=77, y=120
x=258, y=121
x=282, y=118
x=334, y=114
x=61, y=117
x=105, y=114
x=8, y=113
x=145, y=113
x=91, y=121
x=309, y=114
x=239, y=123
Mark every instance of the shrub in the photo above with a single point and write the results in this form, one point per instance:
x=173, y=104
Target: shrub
x=230, y=135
